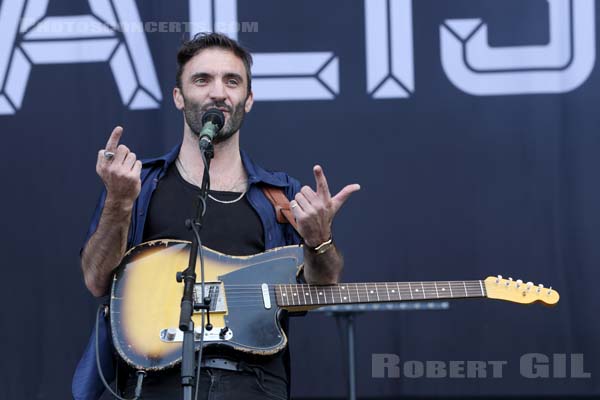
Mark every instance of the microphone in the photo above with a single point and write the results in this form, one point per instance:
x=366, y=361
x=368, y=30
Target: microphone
x=212, y=122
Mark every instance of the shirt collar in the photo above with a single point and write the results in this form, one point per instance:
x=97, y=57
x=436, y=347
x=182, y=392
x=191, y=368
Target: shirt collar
x=256, y=174
x=166, y=159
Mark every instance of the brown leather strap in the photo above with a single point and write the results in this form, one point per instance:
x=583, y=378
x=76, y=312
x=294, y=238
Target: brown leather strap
x=281, y=204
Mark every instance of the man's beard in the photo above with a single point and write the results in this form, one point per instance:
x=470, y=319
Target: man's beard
x=194, y=112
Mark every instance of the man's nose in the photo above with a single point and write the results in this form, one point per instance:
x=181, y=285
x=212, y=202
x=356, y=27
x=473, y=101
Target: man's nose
x=217, y=91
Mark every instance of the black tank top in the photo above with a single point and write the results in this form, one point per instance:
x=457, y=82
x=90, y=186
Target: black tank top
x=234, y=229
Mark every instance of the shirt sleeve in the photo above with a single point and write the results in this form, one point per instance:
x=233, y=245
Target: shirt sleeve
x=95, y=220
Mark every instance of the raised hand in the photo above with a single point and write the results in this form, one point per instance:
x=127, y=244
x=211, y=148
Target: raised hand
x=314, y=211
x=120, y=170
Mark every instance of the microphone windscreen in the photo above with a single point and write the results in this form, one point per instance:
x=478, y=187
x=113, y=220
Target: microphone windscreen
x=215, y=116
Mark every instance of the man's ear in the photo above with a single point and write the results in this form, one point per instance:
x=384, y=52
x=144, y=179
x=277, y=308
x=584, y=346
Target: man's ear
x=178, y=98
x=249, y=102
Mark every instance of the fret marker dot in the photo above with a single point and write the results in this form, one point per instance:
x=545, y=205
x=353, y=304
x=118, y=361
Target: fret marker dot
x=344, y=287
x=416, y=290
x=371, y=292
x=284, y=294
x=295, y=294
x=306, y=294
x=443, y=289
x=320, y=293
x=345, y=298
x=393, y=291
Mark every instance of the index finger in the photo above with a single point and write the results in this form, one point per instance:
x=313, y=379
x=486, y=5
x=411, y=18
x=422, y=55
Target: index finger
x=113, y=140
x=322, y=186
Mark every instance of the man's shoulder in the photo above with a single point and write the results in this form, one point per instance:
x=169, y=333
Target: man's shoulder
x=280, y=177
x=259, y=174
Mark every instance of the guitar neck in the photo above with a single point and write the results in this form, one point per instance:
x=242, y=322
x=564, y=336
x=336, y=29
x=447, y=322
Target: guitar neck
x=375, y=292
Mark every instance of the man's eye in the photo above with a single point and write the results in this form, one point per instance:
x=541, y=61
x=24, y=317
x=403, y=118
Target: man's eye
x=232, y=82
x=200, y=81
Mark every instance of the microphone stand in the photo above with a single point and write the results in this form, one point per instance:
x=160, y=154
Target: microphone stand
x=186, y=324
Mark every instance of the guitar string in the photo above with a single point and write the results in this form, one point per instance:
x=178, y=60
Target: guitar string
x=339, y=285
x=367, y=283
x=337, y=298
x=346, y=287
x=356, y=288
x=359, y=285
x=237, y=298
x=247, y=294
x=353, y=289
x=360, y=295
x=391, y=288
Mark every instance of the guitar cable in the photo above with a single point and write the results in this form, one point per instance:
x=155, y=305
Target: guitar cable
x=140, y=373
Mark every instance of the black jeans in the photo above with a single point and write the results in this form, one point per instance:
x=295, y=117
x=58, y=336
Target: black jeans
x=215, y=384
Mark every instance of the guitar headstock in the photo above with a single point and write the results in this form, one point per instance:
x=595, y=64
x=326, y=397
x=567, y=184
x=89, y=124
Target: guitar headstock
x=519, y=292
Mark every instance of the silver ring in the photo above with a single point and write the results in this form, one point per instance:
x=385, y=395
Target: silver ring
x=108, y=154
x=294, y=205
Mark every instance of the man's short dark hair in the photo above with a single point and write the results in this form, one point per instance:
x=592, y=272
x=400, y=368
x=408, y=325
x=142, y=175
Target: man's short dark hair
x=204, y=40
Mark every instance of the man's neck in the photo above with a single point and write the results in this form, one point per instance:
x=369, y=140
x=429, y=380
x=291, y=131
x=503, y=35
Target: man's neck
x=226, y=169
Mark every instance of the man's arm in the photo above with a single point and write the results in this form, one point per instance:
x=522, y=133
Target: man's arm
x=314, y=212
x=323, y=269
x=105, y=249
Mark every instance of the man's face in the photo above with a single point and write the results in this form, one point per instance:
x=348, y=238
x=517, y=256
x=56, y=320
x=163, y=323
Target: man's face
x=214, y=78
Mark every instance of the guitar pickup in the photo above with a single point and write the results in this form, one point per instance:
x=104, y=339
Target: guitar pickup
x=266, y=296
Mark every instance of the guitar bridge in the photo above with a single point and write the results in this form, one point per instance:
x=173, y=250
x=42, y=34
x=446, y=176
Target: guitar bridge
x=214, y=291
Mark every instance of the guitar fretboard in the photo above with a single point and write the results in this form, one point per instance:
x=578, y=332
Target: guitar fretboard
x=375, y=292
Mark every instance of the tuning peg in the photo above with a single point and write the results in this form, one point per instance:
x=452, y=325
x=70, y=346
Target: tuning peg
x=529, y=285
x=540, y=287
x=509, y=281
x=549, y=290
x=519, y=283
x=498, y=279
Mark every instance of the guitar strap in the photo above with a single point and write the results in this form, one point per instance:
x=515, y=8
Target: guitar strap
x=281, y=204
x=284, y=214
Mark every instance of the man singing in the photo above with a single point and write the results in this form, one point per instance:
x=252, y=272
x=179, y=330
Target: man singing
x=147, y=200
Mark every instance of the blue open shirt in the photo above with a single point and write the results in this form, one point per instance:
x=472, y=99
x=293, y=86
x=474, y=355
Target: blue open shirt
x=86, y=381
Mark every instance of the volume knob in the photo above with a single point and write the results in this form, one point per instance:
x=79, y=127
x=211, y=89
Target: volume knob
x=171, y=334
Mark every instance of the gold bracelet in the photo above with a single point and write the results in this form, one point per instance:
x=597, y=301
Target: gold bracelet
x=323, y=247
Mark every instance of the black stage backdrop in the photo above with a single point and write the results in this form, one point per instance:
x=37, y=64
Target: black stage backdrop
x=472, y=126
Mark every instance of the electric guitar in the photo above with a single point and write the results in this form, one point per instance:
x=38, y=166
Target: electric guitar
x=247, y=296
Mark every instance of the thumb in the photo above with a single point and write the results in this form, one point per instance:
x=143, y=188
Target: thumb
x=343, y=195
